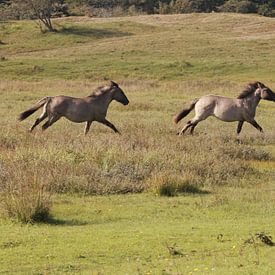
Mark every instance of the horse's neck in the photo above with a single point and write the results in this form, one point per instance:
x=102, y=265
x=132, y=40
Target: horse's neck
x=106, y=99
x=252, y=102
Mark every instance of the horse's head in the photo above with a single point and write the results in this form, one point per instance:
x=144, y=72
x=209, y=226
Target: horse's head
x=118, y=94
x=265, y=92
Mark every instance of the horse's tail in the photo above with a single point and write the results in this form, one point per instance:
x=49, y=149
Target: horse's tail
x=33, y=109
x=185, y=111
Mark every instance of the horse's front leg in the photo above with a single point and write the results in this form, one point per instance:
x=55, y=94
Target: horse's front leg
x=240, y=125
x=256, y=125
x=109, y=124
x=87, y=128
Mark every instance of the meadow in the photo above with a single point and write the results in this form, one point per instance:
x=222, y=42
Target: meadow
x=147, y=201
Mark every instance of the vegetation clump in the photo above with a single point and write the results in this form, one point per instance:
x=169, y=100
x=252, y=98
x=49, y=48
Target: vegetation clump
x=23, y=197
x=170, y=186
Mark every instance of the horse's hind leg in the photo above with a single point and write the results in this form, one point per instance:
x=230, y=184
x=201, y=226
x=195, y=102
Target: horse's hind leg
x=192, y=123
x=87, y=128
x=50, y=122
x=240, y=125
x=192, y=128
x=184, y=129
x=41, y=118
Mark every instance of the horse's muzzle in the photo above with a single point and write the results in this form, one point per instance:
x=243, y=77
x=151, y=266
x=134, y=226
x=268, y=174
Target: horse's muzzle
x=126, y=102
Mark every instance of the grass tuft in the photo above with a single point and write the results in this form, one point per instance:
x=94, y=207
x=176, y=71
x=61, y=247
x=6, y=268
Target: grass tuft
x=24, y=197
x=170, y=186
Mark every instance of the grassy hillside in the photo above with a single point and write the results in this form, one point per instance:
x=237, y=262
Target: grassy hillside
x=177, y=47
x=225, y=186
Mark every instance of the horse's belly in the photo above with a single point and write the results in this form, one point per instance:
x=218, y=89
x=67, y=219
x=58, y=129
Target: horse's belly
x=226, y=119
x=228, y=115
x=76, y=120
x=77, y=117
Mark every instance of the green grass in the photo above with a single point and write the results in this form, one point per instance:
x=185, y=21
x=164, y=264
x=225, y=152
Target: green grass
x=130, y=234
x=162, y=63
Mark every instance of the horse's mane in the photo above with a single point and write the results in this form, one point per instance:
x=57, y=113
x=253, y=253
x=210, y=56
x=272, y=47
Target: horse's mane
x=250, y=89
x=100, y=91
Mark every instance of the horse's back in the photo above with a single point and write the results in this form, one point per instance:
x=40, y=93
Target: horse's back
x=224, y=108
x=59, y=103
x=74, y=109
x=219, y=100
x=206, y=101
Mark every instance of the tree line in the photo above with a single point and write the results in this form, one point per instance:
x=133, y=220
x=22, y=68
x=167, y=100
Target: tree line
x=44, y=10
x=264, y=7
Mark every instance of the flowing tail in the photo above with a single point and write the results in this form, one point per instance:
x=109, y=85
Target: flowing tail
x=185, y=112
x=33, y=109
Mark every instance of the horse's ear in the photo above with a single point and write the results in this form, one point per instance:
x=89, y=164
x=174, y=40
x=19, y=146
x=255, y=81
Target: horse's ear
x=113, y=84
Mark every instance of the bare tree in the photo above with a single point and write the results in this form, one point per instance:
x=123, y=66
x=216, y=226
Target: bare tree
x=42, y=10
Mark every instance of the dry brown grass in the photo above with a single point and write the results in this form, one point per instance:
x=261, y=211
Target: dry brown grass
x=147, y=156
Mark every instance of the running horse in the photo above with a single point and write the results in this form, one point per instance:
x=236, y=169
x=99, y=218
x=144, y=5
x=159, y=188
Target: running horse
x=87, y=109
x=241, y=109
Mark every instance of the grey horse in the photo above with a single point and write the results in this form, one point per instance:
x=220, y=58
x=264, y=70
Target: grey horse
x=87, y=109
x=241, y=109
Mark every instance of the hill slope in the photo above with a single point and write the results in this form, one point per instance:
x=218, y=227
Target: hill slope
x=167, y=47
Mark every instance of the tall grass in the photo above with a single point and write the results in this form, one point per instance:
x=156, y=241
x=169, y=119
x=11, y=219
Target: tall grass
x=23, y=195
x=108, y=164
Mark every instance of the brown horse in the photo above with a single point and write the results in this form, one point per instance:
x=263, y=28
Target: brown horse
x=87, y=109
x=241, y=109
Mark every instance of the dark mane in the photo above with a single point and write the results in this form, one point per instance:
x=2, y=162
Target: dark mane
x=100, y=91
x=250, y=89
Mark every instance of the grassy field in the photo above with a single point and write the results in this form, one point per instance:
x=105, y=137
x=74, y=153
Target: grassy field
x=107, y=212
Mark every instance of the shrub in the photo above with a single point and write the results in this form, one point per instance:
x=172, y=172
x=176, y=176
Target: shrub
x=164, y=8
x=266, y=10
x=188, y=6
x=243, y=6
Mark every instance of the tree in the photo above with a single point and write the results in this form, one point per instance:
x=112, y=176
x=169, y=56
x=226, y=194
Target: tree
x=42, y=10
x=147, y=6
x=144, y=5
x=187, y=6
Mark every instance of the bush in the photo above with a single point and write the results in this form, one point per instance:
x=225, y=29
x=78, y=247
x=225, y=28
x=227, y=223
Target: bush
x=165, y=8
x=243, y=6
x=266, y=10
x=189, y=6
